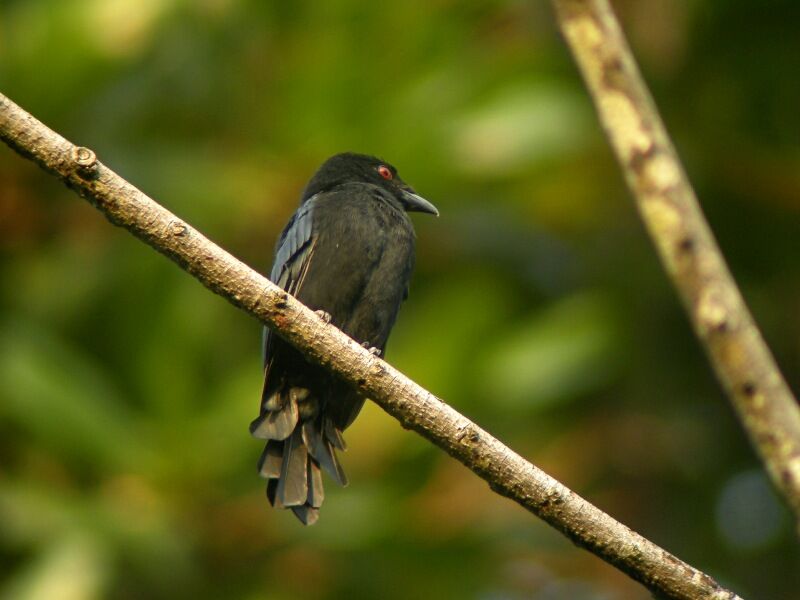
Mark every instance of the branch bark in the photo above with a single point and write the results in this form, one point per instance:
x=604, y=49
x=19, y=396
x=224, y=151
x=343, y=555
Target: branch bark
x=506, y=472
x=691, y=257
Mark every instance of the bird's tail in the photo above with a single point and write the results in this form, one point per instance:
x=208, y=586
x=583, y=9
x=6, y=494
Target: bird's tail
x=301, y=440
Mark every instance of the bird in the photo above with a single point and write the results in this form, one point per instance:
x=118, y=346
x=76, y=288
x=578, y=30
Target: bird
x=348, y=253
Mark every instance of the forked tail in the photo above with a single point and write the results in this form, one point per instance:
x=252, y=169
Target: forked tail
x=301, y=440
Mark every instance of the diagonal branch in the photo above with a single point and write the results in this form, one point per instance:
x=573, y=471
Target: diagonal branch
x=506, y=472
x=669, y=208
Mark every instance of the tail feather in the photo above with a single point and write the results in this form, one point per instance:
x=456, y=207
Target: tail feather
x=334, y=435
x=316, y=494
x=269, y=465
x=312, y=438
x=300, y=444
x=321, y=449
x=293, y=482
x=277, y=424
x=332, y=465
x=272, y=485
x=308, y=515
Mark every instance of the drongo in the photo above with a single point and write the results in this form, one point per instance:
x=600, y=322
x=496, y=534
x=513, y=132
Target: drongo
x=347, y=252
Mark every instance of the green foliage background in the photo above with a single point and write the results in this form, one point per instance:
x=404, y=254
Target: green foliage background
x=538, y=307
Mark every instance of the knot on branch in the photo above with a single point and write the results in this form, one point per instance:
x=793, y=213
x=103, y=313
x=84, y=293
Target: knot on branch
x=467, y=434
x=85, y=161
x=178, y=228
x=712, y=314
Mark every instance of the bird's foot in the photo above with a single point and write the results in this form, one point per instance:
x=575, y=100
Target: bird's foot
x=324, y=316
x=372, y=349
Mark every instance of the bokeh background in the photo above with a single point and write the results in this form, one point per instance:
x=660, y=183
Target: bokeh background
x=538, y=307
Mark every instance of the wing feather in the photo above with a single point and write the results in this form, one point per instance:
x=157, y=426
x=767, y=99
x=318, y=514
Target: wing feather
x=292, y=258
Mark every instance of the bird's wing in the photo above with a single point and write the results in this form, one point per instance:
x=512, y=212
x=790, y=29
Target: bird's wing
x=294, y=248
x=292, y=258
x=301, y=449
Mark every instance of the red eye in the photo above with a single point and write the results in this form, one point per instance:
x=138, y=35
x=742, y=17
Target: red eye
x=385, y=172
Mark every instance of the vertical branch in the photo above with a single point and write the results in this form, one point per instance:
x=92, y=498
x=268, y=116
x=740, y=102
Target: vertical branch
x=691, y=257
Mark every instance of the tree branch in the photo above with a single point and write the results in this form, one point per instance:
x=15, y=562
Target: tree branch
x=669, y=208
x=506, y=472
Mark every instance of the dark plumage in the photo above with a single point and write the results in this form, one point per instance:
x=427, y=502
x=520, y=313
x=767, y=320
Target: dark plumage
x=348, y=251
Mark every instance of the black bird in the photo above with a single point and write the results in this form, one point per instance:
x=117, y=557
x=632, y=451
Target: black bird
x=348, y=253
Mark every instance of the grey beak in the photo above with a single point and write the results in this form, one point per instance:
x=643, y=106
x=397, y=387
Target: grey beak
x=416, y=203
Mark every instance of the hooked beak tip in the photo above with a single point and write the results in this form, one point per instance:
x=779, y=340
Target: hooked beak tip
x=416, y=203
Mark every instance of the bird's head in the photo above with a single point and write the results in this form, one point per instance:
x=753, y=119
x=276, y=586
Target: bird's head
x=349, y=167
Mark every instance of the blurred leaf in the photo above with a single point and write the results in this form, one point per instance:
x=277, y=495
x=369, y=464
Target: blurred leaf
x=73, y=568
x=130, y=525
x=567, y=350
x=59, y=394
x=440, y=354
x=520, y=125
